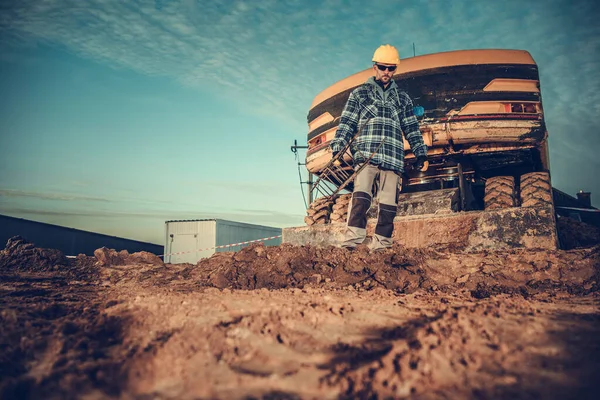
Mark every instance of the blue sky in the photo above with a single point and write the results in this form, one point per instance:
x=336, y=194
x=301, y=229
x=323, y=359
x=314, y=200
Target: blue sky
x=118, y=115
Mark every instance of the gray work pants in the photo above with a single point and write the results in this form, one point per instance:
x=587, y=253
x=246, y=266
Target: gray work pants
x=361, y=202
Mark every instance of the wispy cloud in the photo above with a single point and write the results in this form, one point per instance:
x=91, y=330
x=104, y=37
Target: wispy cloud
x=183, y=207
x=274, y=56
x=258, y=187
x=50, y=196
x=265, y=48
x=65, y=197
x=251, y=216
x=281, y=53
x=251, y=51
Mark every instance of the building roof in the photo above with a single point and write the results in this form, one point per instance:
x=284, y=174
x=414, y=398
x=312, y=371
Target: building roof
x=224, y=222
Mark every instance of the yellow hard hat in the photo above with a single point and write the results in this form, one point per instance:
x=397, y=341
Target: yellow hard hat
x=386, y=54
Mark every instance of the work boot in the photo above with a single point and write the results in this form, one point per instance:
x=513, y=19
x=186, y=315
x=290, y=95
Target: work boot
x=353, y=237
x=380, y=243
x=385, y=227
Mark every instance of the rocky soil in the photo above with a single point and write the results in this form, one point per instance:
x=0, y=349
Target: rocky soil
x=301, y=323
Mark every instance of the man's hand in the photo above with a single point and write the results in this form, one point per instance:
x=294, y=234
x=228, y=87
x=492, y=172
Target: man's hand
x=422, y=164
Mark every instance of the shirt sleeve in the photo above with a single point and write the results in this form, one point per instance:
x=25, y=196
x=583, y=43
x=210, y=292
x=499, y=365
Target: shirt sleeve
x=348, y=123
x=410, y=128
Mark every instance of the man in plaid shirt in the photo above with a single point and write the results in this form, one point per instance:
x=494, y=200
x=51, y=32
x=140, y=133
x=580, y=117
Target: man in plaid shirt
x=383, y=113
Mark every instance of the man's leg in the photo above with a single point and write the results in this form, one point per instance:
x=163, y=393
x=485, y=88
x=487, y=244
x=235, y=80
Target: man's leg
x=356, y=223
x=388, y=188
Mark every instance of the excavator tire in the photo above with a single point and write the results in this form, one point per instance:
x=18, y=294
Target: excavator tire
x=318, y=212
x=536, y=189
x=322, y=217
x=337, y=218
x=499, y=192
x=344, y=199
x=337, y=207
x=319, y=218
x=315, y=208
x=340, y=208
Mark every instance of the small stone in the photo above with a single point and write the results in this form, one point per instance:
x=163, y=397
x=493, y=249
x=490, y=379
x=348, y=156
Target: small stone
x=488, y=269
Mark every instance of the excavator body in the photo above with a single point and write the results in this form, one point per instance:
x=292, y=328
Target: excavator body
x=488, y=182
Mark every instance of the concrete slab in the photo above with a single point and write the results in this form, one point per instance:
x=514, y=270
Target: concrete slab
x=443, y=201
x=470, y=231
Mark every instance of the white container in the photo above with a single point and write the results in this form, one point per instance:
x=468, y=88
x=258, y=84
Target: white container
x=189, y=241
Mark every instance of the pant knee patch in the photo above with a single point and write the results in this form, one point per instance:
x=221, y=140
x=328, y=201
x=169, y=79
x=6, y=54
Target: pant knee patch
x=361, y=202
x=385, y=221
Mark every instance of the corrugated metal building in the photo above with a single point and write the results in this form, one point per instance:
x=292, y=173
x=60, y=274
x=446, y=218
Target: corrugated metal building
x=197, y=239
x=68, y=240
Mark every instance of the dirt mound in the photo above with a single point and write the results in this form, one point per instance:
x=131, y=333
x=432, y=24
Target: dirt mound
x=401, y=270
x=21, y=255
x=108, y=257
x=289, y=266
x=55, y=338
x=83, y=261
x=573, y=234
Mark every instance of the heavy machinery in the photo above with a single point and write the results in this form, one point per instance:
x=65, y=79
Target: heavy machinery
x=481, y=116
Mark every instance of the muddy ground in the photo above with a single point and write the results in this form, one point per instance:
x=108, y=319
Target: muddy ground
x=301, y=323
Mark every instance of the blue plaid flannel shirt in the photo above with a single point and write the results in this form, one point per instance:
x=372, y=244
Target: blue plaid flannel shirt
x=383, y=117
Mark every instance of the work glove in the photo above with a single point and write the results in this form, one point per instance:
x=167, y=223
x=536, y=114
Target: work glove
x=422, y=164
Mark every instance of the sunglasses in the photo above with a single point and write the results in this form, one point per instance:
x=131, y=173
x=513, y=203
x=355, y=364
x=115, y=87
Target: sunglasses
x=390, y=68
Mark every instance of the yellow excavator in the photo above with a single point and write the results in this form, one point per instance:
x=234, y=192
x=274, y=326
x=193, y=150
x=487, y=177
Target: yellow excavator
x=481, y=116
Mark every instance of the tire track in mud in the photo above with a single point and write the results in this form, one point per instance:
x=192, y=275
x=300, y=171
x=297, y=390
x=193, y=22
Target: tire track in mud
x=468, y=352
x=318, y=343
x=55, y=340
